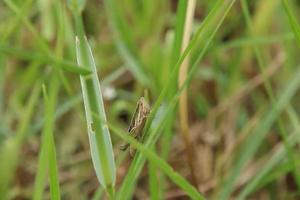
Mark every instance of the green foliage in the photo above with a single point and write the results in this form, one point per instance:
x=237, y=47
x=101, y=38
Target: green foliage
x=95, y=60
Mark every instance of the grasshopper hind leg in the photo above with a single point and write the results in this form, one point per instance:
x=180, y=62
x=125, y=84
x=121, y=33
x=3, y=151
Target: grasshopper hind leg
x=132, y=150
x=123, y=147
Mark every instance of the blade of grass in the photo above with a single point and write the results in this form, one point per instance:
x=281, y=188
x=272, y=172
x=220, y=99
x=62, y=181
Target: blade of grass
x=101, y=147
x=175, y=55
x=46, y=7
x=35, y=56
x=49, y=123
x=40, y=177
x=58, y=8
x=99, y=136
x=179, y=29
x=282, y=169
x=2, y=80
x=47, y=155
x=98, y=195
x=255, y=40
x=154, y=184
x=292, y=20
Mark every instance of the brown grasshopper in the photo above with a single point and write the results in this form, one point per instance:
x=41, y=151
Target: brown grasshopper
x=137, y=123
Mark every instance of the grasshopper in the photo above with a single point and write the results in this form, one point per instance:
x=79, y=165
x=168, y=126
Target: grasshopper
x=137, y=123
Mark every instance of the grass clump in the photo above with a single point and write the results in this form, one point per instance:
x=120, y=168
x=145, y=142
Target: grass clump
x=222, y=74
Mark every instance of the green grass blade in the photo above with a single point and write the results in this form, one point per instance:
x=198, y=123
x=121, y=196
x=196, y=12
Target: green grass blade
x=47, y=156
x=292, y=20
x=42, y=168
x=98, y=194
x=31, y=55
x=2, y=80
x=256, y=40
x=180, y=20
x=154, y=184
x=175, y=55
x=49, y=124
x=99, y=136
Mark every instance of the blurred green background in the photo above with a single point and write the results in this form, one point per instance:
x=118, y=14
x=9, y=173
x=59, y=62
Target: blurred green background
x=243, y=97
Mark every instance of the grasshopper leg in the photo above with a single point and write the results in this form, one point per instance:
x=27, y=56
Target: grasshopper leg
x=133, y=150
x=123, y=147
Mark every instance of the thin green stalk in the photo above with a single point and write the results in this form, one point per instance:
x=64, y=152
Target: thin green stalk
x=47, y=156
x=175, y=55
x=154, y=184
x=292, y=20
x=256, y=40
x=51, y=104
